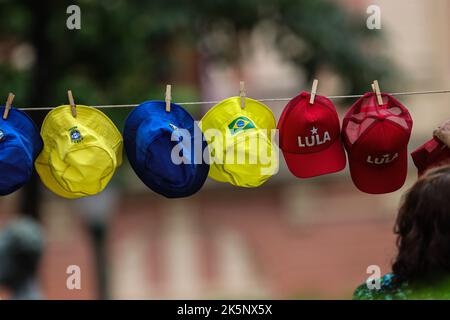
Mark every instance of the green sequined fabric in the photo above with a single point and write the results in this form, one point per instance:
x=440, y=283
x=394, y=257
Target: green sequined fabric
x=393, y=289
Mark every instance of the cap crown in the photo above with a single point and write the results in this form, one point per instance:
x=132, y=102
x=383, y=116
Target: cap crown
x=240, y=142
x=20, y=143
x=151, y=135
x=375, y=135
x=80, y=153
x=81, y=161
x=306, y=128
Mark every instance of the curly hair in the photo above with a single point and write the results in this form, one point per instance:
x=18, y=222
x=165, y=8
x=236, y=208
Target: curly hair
x=423, y=228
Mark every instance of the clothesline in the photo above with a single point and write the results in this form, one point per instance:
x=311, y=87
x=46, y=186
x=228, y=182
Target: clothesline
x=410, y=93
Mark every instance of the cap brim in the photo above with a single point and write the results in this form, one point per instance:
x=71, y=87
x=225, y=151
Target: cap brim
x=383, y=179
x=49, y=180
x=315, y=164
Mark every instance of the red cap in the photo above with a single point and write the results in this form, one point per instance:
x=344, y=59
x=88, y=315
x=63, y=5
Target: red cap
x=376, y=139
x=310, y=137
x=432, y=153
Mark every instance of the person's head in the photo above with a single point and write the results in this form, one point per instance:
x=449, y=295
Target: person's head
x=21, y=246
x=423, y=228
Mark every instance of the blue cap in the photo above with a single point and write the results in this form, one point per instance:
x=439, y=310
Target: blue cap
x=20, y=144
x=153, y=137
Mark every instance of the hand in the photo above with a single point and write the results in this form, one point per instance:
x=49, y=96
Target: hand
x=443, y=133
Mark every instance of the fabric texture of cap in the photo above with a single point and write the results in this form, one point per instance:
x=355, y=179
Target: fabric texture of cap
x=376, y=139
x=432, y=153
x=166, y=149
x=240, y=142
x=80, y=153
x=20, y=144
x=310, y=137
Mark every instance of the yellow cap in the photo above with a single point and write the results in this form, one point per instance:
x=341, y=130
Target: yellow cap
x=240, y=143
x=80, y=154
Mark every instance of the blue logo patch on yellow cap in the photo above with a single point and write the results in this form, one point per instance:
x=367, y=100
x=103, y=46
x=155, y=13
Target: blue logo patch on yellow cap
x=75, y=135
x=240, y=124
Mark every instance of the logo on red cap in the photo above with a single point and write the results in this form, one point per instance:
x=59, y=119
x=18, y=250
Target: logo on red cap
x=385, y=159
x=314, y=139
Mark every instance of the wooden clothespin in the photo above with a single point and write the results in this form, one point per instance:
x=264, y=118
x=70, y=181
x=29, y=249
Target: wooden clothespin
x=313, y=91
x=168, y=97
x=73, y=106
x=9, y=102
x=378, y=92
x=242, y=93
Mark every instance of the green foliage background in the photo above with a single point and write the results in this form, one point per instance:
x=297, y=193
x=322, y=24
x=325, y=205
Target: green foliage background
x=123, y=52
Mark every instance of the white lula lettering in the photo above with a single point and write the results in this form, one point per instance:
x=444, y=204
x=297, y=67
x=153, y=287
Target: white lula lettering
x=386, y=158
x=313, y=140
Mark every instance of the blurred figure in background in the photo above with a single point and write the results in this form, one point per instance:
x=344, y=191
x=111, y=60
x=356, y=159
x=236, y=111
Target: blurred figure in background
x=421, y=269
x=21, y=247
x=97, y=212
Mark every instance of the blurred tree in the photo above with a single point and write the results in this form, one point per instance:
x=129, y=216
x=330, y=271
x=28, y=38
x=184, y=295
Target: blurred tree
x=124, y=51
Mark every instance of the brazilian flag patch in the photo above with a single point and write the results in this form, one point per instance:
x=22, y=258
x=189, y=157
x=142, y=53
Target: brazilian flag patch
x=240, y=124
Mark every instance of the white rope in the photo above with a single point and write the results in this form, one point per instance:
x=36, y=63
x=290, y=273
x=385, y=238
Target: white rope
x=411, y=93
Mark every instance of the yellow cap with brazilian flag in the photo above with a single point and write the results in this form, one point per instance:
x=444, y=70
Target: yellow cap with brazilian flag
x=240, y=142
x=80, y=154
